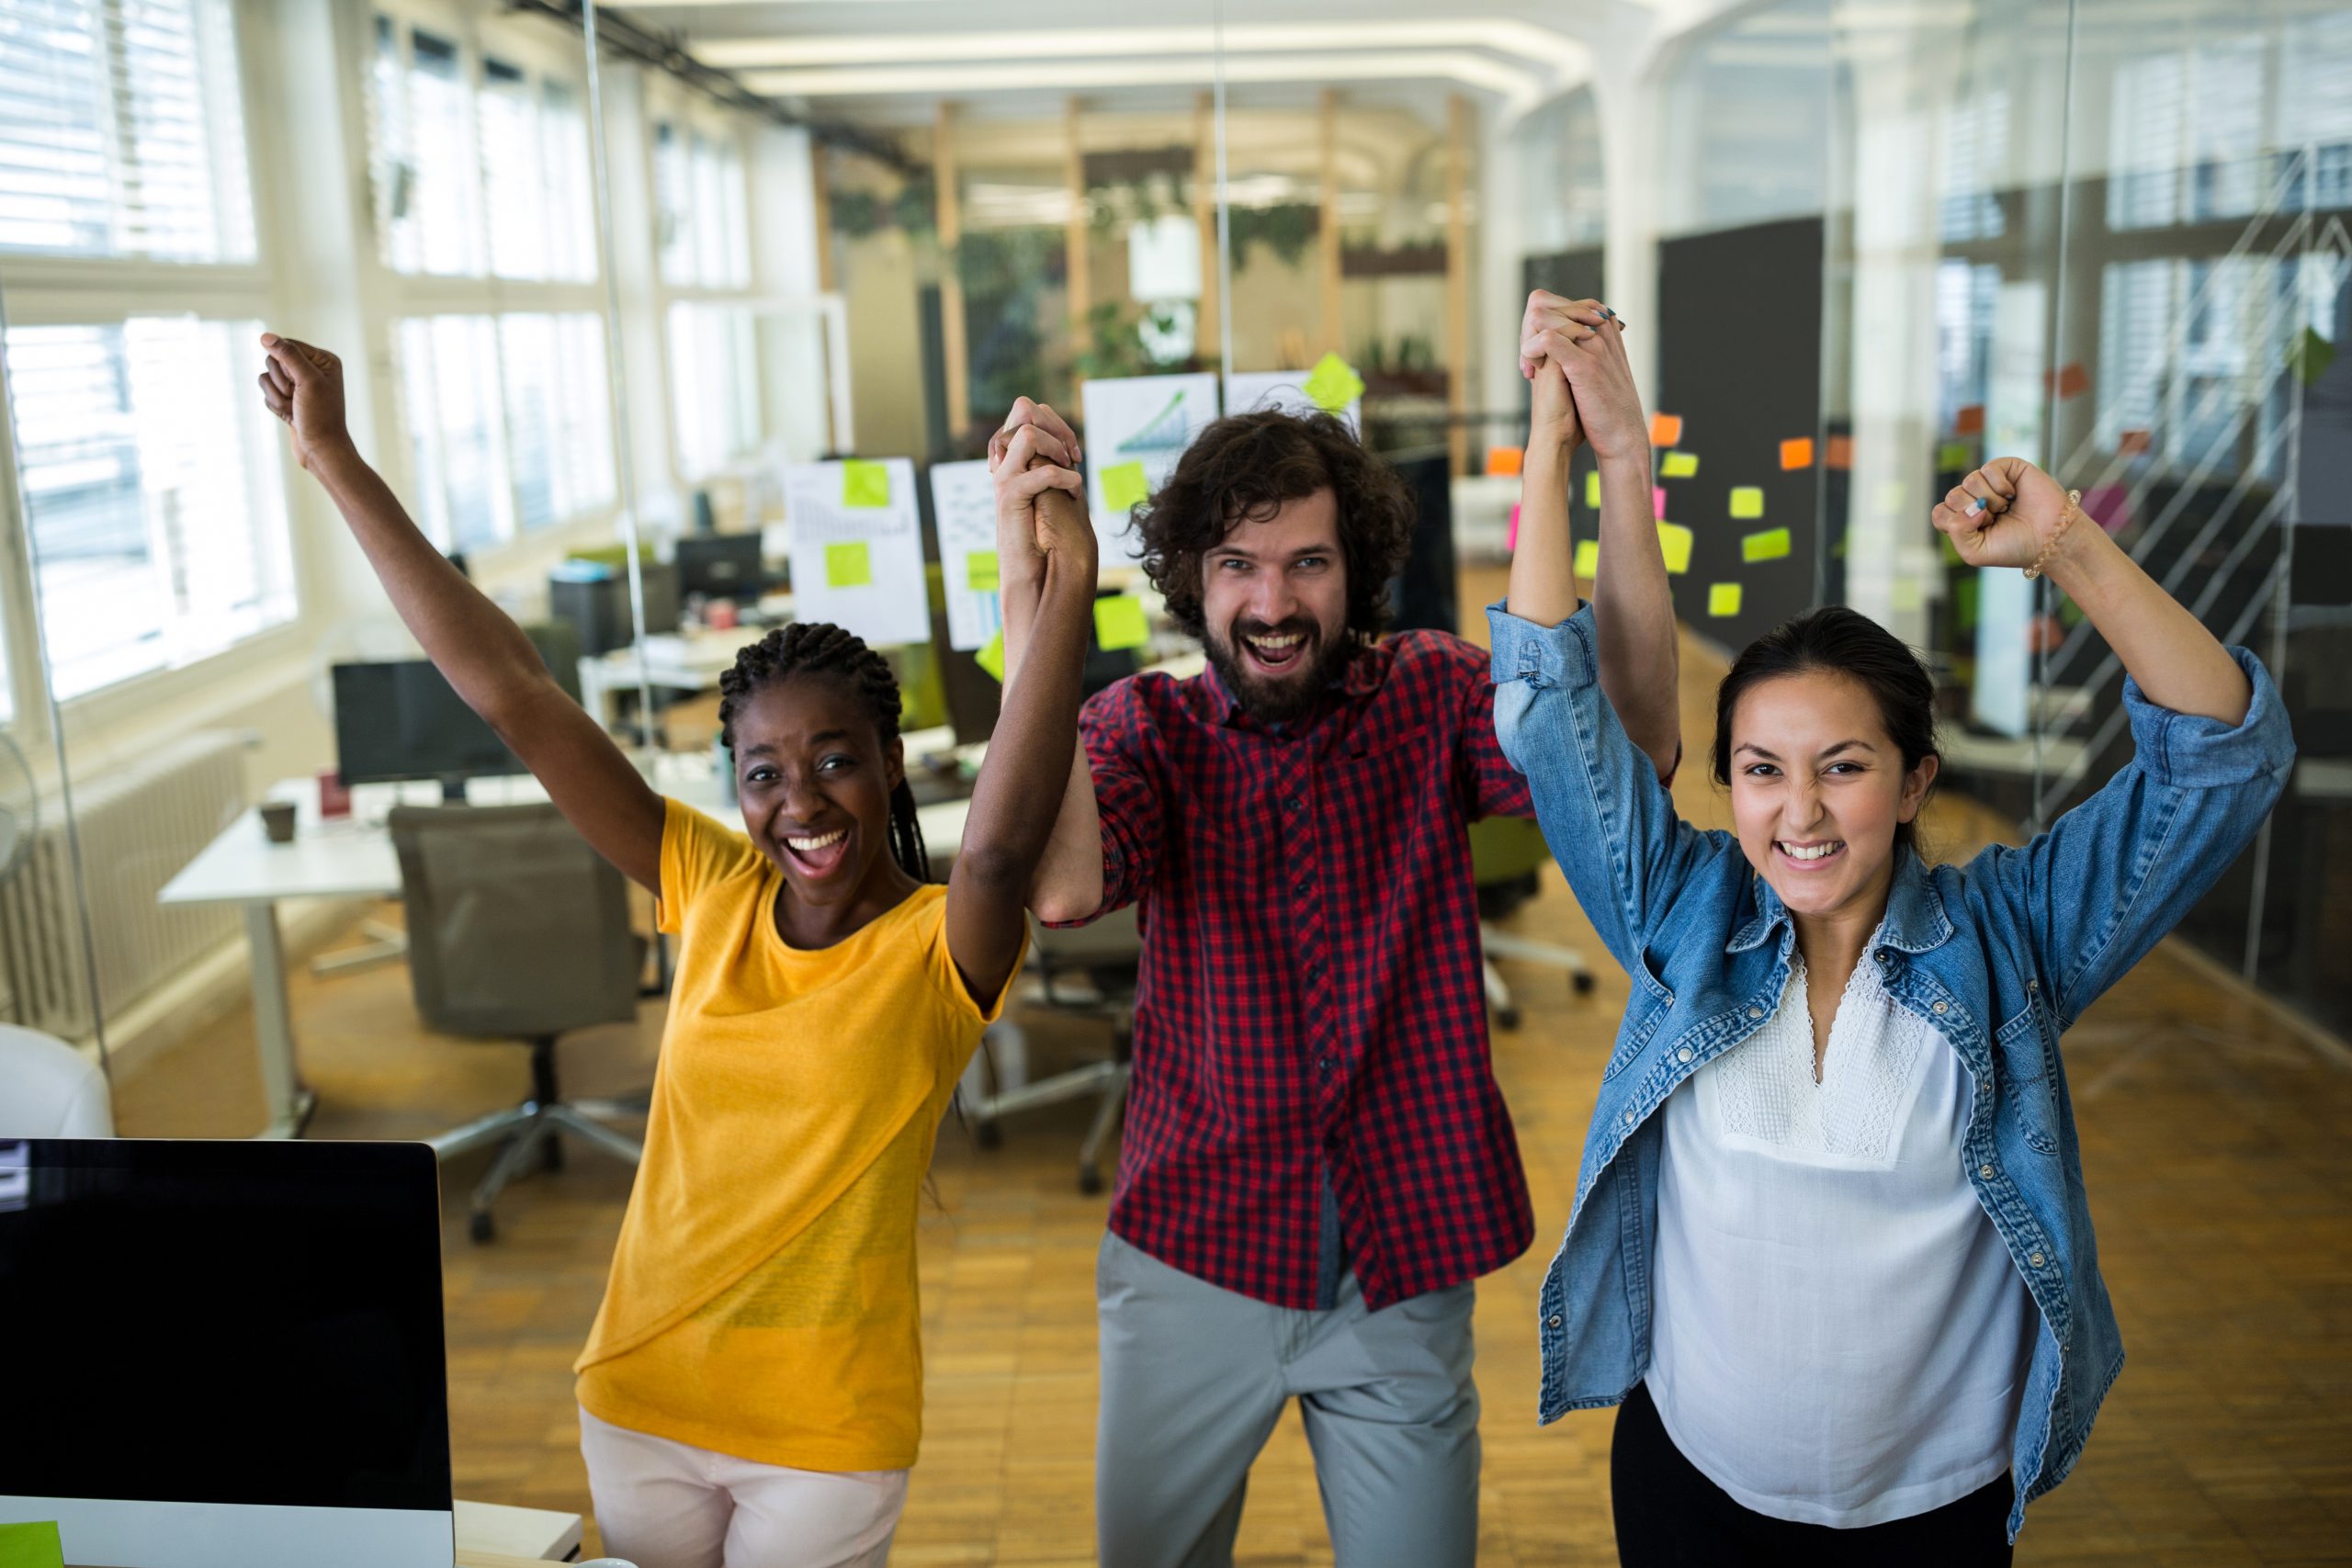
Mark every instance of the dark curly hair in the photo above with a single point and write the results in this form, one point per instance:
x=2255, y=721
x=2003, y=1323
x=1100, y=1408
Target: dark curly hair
x=820, y=648
x=1241, y=470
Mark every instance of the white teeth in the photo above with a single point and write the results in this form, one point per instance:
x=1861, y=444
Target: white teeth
x=810, y=846
x=1288, y=640
x=1815, y=852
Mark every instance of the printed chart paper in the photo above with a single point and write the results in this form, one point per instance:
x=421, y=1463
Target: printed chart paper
x=1137, y=427
x=856, y=563
x=963, y=499
x=1246, y=391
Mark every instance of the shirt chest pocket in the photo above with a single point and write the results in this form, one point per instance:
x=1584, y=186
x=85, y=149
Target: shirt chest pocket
x=1647, y=1007
x=2025, y=1057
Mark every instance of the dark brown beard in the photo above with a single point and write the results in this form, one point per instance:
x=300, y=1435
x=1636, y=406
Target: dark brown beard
x=1290, y=699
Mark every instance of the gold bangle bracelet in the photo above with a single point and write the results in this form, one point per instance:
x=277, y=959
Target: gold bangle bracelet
x=2065, y=520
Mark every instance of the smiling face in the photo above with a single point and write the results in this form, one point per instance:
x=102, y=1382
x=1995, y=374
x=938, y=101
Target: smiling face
x=1817, y=790
x=1274, y=600
x=815, y=781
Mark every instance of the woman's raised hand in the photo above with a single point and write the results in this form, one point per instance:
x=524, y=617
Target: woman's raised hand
x=2005, y=514
x=304, y=386
x=1035, y=454
x=1581, y=341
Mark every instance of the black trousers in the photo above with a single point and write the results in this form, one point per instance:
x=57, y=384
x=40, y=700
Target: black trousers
x=1670, y=1516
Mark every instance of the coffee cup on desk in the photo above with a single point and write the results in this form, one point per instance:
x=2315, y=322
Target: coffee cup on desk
x=278, y=820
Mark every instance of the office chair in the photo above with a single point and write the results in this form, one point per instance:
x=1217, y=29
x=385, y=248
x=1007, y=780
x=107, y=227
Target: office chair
x=48, y=1090
x=1089, y=971
x=1507, y=858
x=518, y=931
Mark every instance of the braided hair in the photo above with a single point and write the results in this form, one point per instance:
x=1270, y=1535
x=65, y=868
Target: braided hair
x=820, y=648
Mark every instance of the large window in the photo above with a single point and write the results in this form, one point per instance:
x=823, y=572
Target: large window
x=149, y=473
x=702, y=237
x=484, y=197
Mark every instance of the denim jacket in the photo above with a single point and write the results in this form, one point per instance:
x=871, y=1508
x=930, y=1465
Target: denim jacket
x=1999, y=957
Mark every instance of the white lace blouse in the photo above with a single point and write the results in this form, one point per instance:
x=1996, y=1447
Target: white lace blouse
x=1839, y=1336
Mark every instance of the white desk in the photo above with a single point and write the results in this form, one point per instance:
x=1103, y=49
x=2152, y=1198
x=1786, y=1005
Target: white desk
x=676, y=661
x=353, y=858
x=534, y=1535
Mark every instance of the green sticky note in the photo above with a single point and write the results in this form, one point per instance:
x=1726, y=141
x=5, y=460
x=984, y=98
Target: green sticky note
x=991, y=657
x=1119, y=623
x=864, y=484
x=1674, y=540
x=1770, y=544
x=1953, y=457
x=1592, y=490
x=1333, y=384
x=1587, y=559
x=31, y=1546
x=1747, y=501
x=1678, y=465
x=848, y=564
x=1125, y=485
x=1723, y=598
x=979, y=571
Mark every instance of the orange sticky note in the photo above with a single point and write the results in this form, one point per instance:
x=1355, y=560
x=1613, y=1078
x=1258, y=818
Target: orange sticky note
x=2073, y=380
x=1665, y=430
x=1797, y=454
x=1969, y=421
x=1840, y=454
x=2133, y=442
x=1504, y=460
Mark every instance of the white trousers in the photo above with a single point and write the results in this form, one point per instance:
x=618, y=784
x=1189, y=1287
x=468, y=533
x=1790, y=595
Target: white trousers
x=666, y=1505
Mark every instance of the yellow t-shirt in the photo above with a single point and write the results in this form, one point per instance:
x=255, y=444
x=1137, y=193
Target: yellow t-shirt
x=762, y=1297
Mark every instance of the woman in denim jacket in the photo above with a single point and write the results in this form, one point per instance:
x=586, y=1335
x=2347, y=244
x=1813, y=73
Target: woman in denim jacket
x=1830, y=1246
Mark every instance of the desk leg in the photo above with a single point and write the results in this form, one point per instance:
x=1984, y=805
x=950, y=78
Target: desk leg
x=289, y=1103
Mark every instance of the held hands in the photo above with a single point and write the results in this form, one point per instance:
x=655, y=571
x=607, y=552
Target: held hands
x=1577, y=344
x=1040, y=496
x=304, y=386
x=2005, y=514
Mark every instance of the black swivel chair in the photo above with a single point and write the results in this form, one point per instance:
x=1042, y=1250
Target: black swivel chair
x=518, y=931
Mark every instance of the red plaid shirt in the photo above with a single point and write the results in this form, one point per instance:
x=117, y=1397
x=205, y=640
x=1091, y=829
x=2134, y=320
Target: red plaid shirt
x=1310, y=1004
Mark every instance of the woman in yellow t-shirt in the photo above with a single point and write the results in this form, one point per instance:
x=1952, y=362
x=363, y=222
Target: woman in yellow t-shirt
x=751, y=1392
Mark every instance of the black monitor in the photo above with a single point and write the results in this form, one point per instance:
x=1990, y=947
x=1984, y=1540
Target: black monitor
x=224, y=1354
x=720, y=566
x=401, y=719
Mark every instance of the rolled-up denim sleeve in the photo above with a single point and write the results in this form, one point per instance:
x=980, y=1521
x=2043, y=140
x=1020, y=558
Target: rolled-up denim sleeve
x=1610, y=822
x=2112, y=877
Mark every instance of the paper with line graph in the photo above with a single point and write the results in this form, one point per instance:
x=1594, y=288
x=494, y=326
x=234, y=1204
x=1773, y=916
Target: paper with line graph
x=963, y=501
x=1247, y=390
x=1137, y=427
x=859, y=567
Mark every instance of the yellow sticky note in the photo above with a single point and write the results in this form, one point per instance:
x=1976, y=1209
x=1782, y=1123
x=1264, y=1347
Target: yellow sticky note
x=864, y=484
x=31, y=1546
x=1954, y=456
x=979, y=571
x=1674, y=540
x=1747, y=501
x=1770, y=545
x=991, y=657
x=1119, y=623
x=848, y=564
x=1333, y=384
x=1125, y=485
x=1723, y=598
x=1587, y=559
x=1678, y=465
x=1592, y=490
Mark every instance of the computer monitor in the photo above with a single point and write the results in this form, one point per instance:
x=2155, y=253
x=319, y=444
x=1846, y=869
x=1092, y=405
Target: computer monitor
x=224, y=1354
x=721, y=566
x=400, y=719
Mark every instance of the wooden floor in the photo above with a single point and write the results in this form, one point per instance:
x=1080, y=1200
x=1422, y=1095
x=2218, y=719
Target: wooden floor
x=2217, y=1142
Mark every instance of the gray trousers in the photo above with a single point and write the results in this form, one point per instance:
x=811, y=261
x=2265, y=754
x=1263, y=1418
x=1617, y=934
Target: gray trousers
x=1195, y=1377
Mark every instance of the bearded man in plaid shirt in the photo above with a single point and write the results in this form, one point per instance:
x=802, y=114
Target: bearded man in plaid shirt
x=1317, y=1163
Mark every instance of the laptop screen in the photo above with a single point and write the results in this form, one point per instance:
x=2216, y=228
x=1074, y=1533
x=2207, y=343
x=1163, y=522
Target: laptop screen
x=254, y=1324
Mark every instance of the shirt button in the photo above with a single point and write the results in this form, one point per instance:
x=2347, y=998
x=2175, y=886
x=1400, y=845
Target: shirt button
x=1552, y=1321
x=2035, y=1259
x=1324, y=1063
x=1630, y=1119
x=1985, y=1171
x=1942, y=1007
x=1885, y=956
x=1756, y=1013
x=1684, y=1054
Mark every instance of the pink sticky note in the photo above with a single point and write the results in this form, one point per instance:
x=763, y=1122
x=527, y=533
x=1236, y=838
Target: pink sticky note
x=1658, y=500
x=1512, y=542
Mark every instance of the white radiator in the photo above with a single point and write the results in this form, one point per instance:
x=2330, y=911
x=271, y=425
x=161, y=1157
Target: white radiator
x=140, y=825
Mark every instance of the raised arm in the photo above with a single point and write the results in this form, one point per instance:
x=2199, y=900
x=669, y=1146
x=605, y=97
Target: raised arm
x=483, y=652
x=1572, y=351
x=1044, y=544
x=1068, y=884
